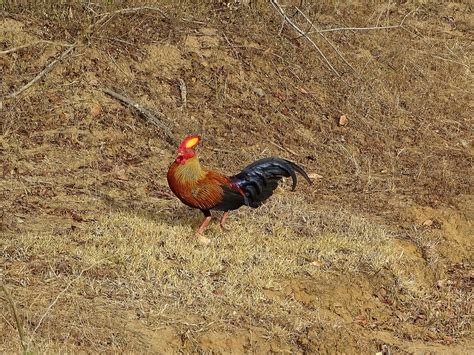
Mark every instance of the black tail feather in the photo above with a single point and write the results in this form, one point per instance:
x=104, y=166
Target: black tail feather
x=260, y=179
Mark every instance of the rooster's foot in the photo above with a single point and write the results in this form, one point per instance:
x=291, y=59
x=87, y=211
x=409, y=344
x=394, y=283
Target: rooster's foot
x=202, y=239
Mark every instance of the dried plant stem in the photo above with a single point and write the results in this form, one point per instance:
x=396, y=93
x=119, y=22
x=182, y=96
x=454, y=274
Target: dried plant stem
x=311, y=23
x=105, y=17
x=183, y=91
x=304, y=34
x=19, y=326
x=158, y=122
x=45, y=71
x=51, y=305
x=400, y=25
x=14, y=49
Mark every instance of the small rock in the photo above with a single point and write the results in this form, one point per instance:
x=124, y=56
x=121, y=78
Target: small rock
x=343, y=120
x=94, y=82
x=259, y=92
x=315, y=176
x=428, y=223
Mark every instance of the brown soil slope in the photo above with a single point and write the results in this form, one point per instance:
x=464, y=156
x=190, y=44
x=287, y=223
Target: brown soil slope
x=376, y=255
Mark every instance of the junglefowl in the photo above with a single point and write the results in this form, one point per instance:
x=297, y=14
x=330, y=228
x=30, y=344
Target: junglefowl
x=208, y=190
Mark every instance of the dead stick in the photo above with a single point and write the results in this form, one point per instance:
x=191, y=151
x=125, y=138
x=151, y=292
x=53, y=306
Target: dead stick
x=108, y=15
x=184, y=92
x=14, y=49
x=282, y=13
x=45, y=71
x=333, y=46
x=158, y=122
x=19, y=327
x=230, y=45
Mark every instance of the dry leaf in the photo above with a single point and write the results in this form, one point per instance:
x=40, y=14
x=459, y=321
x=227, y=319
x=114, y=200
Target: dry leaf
x=96, y=109
x=120, y=173
x=4, y=62
x=303, y=90
x=343, y=121
x=315, y=176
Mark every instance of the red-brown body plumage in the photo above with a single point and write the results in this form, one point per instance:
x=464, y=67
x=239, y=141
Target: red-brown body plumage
x=195, y=187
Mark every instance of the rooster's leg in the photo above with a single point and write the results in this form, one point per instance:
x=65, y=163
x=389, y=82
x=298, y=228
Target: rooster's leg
x=199, y=233
x=203, y=225
x=223, y=219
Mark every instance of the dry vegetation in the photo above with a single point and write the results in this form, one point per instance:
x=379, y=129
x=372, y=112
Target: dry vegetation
x=96, y=255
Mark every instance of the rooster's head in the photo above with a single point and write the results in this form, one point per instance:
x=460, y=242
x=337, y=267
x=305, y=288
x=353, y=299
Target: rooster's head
x=186, y=148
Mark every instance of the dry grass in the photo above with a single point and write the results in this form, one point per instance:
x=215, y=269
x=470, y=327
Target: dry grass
x=132, y=271
x=99, y=257
x=151, y=261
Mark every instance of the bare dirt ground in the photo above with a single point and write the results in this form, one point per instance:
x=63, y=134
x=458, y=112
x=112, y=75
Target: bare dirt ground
x=376, y=255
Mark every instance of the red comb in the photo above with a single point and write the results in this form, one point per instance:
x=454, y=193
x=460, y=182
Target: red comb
x=190, y=142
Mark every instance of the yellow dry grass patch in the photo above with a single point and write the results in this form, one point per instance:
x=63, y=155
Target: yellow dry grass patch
x=150, y=267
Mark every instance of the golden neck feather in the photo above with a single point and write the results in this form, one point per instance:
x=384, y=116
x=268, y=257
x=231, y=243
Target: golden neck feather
x=190, y=171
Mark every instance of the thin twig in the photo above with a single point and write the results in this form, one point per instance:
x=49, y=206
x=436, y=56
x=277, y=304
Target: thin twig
x=19, y=327
x=108, y=15
x=51, y=305
x=301, y=32
x=326, y=39
x=221, y=150
x=284, y=148
x=158, y=122
x=230, y=45
x=45, y=71
x=137, y=9
x=400, y=25
x=14, y=49
x=184, y=92
x=193, y=21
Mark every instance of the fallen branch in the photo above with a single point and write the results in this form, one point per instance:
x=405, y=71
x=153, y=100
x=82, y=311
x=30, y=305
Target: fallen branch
x=282, y=13
x=19, y=327
x=45, y=71
x=14, y=49
x=158, y=122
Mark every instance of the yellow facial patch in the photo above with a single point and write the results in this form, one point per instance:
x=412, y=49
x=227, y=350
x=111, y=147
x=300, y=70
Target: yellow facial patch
x=191, y=142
